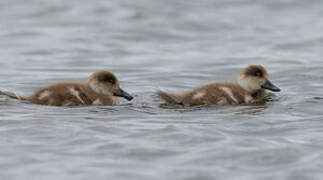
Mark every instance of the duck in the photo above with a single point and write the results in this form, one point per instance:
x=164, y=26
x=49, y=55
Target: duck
x=102, y=88
x=251, y=86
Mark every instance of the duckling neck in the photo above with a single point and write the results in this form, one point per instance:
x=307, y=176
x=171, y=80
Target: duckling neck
x=259, y=94
x=102, y=97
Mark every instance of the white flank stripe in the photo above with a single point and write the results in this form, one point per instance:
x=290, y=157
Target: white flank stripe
x=248, y=99
x=97, y=102
x=44, y=95
x=66, y=103
x=229, y=92
x=223, y=101
x=76, y=94
x=198, y=95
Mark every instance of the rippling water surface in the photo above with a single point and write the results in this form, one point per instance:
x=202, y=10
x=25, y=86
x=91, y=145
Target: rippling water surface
x=174, y=45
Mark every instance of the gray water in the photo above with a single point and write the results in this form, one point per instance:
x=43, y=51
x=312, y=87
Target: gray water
x=173, y=45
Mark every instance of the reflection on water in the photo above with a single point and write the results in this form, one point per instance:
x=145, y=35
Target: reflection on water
x=174, y=45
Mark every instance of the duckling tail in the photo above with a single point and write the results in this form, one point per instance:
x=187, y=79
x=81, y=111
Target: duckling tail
x=170, y=97
x=12, y=95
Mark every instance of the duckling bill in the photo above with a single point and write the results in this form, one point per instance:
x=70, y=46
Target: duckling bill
x=252, y=83
x=102, y=88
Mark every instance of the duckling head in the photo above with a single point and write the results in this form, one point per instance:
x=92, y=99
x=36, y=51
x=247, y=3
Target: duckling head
x=105, y=82
x=254, y=78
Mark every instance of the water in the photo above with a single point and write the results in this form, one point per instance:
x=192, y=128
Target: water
x=174, y=45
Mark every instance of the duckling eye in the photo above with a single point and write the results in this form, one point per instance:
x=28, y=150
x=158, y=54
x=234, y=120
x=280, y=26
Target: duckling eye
x=258, y=74
x=108, y=78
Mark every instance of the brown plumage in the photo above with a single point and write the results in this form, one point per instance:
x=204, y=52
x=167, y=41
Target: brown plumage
x=101, y=89
x=250, y=87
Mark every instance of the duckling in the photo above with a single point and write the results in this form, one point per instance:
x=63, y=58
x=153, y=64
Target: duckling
x=101, y=89
x=250, y=87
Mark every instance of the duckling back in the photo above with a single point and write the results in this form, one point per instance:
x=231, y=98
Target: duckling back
x=212, y=94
